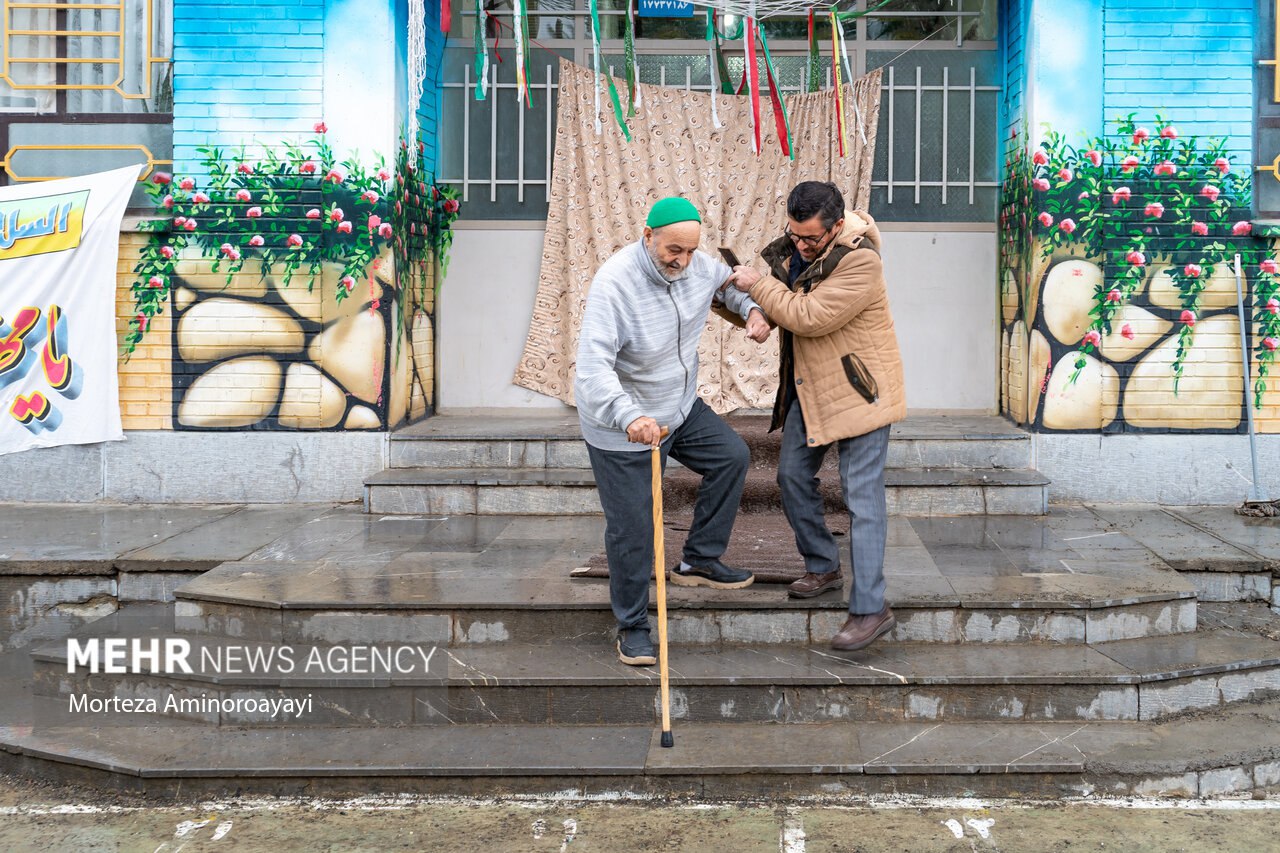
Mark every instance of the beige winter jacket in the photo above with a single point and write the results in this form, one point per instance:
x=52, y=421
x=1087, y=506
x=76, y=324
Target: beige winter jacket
x=839, y=307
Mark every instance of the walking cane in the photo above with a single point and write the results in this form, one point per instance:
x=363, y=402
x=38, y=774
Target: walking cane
x=660, y=573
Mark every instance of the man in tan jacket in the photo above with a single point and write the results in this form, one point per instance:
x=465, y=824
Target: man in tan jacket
x=841, y=383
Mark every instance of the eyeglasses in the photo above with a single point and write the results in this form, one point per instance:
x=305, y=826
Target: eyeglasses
x=803, y=238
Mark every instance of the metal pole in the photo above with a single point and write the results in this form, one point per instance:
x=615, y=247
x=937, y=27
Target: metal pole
x=1256, y=494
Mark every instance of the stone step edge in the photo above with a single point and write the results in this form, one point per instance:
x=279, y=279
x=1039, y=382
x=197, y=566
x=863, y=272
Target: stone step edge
x=698, y=606
x=859, y=676
x=512, y=437
x=582, y=477
x=1237, y=771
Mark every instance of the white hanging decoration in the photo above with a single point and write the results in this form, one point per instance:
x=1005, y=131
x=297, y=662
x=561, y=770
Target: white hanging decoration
x=715, y=84
x=417, y=61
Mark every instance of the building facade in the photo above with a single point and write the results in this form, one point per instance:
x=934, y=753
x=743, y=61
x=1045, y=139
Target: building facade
x=265, y=368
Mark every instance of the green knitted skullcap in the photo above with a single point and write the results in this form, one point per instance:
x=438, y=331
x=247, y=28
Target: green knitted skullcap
x=672, y=209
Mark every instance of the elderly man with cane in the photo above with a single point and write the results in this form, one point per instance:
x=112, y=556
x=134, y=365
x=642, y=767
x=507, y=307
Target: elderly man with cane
x=841, y=383
x=637, y=372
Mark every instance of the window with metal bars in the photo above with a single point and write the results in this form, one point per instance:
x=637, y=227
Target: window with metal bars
x=85, y=86
x=1266, y=111
x=937, y=144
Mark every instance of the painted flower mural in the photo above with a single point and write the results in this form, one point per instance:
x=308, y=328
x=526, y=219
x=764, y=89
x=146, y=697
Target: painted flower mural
x=1153, y=214
x=268, y=212
x=298, y=284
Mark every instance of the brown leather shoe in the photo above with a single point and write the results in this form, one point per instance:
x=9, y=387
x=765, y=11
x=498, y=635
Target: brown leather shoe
x=814, y=584
x=860, y=630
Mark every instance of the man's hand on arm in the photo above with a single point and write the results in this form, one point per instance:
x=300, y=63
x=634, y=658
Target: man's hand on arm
x=758, y=327
x=743, y=278
x=644, y=430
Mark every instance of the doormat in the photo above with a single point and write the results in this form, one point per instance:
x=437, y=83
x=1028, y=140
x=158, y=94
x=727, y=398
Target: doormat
x=762, y=544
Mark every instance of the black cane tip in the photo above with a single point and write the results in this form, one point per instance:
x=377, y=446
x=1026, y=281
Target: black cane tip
x=668, y=740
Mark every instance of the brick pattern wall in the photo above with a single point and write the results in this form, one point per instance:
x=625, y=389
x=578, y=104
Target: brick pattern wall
x=245, y=70
x=429, y=107
x=1191, y=61
x=1012, y=46
x=146, y=379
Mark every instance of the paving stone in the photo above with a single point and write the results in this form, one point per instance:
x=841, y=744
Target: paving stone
x=1230, y=586
x=1258, y=536
x=1024, y=702
x=57, y=538
x=386, y=706
x=1250, y=685
x=1224, y=781
x=568, y=454
x=1172, y=697
x=230, y=536
x=444, y=500
x=763, y=627
x=1141, y=620
x=532, y=626
x=1183, y=546
x=727, y=748
x=928, y=626
x=302, y=626
x=468, y=453
x=1023, y=591
x=958, y=453
x=254, y=624
x=966, y=748
x=1185, y=785
x=151, y=586
x=693, y=627
x=61, y=687
x=1093, y=587
x=35, y=609
x=1266, y=775
x=541, y=500
x=919, y=590
x=900, y=562
x=1013, y=626
x=1187, y=655
x=844, y=703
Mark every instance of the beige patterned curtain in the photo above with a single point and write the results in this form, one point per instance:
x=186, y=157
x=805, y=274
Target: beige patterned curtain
x=602, y=187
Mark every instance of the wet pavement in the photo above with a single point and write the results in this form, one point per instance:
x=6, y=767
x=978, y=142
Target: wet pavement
x=311, y=555
x=1113, y=588
x=36, y=818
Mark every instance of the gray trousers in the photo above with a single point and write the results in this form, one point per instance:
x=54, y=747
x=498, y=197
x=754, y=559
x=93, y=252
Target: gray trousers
x=704, y=444
x=862, y=461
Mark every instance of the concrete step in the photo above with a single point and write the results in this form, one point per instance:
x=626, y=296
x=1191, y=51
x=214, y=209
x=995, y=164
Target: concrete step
x=1062, y=609
x=571, y=684
x=556, y=442
x=537, y=491
x=1226, y=753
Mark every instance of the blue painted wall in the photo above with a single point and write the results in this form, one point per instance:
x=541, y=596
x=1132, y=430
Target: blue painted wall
x=1012, y=39
x=1191, y=61
x=245, y=70
x=1065, y=52
x=262, y=71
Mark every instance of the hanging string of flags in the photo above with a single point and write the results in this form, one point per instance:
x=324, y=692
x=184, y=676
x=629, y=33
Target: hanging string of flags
x=749, y=27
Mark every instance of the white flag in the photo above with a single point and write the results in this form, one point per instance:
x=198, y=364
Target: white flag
x=59, y=246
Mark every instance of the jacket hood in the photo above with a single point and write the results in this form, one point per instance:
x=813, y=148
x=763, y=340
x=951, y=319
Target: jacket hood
x=859, y=224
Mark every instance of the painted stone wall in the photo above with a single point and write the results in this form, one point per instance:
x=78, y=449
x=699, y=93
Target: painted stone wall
x=290, y=292
x=1118, y=238
x=1118, y=293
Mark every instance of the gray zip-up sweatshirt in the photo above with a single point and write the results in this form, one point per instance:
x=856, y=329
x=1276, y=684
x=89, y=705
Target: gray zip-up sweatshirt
x=638, y=349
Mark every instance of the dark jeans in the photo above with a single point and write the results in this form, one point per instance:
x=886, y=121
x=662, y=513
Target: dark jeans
x=862, y=461
x=704, y=444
